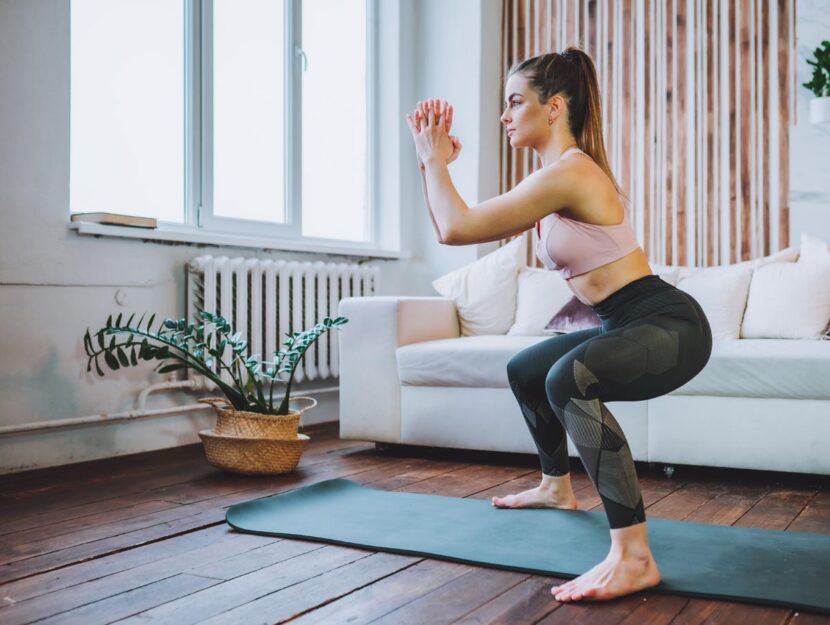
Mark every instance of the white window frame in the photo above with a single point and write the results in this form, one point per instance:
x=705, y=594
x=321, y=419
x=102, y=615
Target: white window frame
x=200, y=224
x=199, y=18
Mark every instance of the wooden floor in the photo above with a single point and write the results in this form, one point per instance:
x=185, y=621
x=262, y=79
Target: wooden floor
x=142, y=539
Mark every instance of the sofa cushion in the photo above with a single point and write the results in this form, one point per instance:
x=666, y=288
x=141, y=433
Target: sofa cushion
x=484, y=291
x=814, y=249
x=572, y=317
x=463, y=361
x=788, y=300
x=721, y=293
x=787, y=255
x=786, y=368
x=668, y=273
x=540, y=293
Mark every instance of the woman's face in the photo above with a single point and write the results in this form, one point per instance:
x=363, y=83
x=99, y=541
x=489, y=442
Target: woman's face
x=524, y=119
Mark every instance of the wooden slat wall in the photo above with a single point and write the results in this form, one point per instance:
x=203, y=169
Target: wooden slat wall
x=697, y=100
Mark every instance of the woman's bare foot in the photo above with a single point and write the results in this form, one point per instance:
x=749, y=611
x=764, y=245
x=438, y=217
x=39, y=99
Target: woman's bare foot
x=624, y=570
x=553, y=492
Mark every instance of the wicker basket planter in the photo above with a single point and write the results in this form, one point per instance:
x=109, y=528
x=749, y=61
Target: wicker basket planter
x=253, y=456
x=254, y=443
x=233, y=422
x=243, y=441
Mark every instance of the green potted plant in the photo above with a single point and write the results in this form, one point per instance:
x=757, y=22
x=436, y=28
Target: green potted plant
x=820, y=84
x=252, y=433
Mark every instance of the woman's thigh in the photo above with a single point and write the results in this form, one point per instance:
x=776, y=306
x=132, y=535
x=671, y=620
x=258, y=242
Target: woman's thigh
x=646, y=358
x=530, y=366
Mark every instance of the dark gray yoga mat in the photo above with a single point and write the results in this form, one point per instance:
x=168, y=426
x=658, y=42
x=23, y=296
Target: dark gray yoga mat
x=770, y=567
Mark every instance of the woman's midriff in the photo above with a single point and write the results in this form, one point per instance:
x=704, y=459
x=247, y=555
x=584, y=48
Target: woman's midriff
x=594, y=286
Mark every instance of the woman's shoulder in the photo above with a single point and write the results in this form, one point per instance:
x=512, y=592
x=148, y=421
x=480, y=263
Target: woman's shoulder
x=586, y=180
x=595, y=196
x=577, y=167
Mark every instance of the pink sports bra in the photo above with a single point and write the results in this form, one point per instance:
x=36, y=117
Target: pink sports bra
x=576, y=247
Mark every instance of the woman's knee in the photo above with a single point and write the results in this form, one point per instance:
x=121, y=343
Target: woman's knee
x=519, y=368
x=559, y=384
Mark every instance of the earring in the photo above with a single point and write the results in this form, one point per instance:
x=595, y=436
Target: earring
x=550, y=121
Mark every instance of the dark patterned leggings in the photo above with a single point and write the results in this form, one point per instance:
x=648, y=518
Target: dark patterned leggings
x=653, y=339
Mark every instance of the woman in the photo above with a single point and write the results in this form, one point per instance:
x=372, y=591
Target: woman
x=653, y=337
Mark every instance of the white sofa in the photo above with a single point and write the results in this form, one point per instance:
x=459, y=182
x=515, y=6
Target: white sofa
x=408, y=375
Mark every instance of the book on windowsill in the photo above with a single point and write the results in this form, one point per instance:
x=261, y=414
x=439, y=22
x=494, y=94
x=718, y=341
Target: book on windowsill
x=116, y=219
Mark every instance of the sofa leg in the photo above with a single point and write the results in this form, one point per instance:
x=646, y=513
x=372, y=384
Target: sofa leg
x=384, y=448
x=668, y=469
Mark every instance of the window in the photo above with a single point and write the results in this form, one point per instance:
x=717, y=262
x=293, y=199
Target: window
x=231, y=116
x=126, y=101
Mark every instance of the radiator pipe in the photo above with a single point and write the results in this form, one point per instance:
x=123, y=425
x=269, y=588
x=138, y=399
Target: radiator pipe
x=197, y=384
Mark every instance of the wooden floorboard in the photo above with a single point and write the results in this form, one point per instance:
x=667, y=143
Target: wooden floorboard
x=142, y=539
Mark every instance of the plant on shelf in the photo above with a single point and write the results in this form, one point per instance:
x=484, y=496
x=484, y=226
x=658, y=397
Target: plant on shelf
x=200, y=347
x=820, y=84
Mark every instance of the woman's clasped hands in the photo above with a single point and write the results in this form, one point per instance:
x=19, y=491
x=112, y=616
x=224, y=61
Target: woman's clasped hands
x=430, y=125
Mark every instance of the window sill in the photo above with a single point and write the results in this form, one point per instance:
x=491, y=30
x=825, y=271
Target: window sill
x=233, y=240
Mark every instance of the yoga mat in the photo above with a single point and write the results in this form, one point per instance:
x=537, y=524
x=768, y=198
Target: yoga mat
x=771, y=567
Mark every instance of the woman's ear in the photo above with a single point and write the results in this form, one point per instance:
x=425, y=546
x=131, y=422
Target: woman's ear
x=557, y=105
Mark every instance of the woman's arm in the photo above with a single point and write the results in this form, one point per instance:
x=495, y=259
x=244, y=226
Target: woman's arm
x=429, y=208
x=419, y=116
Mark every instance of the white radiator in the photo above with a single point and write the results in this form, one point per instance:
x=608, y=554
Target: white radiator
x=268, y=300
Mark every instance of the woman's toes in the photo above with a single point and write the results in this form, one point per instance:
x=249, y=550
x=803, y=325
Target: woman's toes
x=561, y=591
x=590, y=592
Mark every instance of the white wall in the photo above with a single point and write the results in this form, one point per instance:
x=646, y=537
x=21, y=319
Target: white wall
x=54, y=283
x=450, y=62
x=809, y=144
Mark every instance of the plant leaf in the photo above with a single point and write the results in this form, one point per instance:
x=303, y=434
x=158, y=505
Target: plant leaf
x=173, y=367
x=122, y=358
x=112, y=361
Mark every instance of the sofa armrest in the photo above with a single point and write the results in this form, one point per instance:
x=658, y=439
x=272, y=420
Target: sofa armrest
x=370, y=389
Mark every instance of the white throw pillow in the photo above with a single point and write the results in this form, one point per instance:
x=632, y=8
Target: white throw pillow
x=788, y=301
x=540, y=293
x=787, y=255
x=721, y=293
x=814, y=249
x=669, y=273
x=484, y=291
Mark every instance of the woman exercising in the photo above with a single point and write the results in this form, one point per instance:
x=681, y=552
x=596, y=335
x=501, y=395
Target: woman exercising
x=653, y=337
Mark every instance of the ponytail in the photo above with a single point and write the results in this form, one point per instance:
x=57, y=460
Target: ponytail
x=572, y=74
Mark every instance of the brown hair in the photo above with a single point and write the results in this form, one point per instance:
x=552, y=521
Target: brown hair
x=572, y=75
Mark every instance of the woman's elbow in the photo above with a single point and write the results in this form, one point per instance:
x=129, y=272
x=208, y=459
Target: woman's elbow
x=448, y=239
